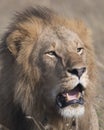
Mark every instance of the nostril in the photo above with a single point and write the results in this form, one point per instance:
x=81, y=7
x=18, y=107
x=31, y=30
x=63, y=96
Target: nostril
x=74, y=71
x=81, y=71
x=78, y=71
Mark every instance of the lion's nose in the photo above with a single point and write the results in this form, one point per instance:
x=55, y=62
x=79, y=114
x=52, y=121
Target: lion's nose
x=78, y=71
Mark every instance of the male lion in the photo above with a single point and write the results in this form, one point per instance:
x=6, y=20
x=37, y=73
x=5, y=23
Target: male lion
x=48, y=74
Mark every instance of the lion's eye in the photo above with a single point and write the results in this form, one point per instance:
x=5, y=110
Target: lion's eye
x=52, y=54
x=80, y=50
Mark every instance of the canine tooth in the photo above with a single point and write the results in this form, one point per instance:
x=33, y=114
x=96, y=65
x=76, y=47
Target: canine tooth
x=82, y=93
x=59, y=104
x=79, y=95
x=67, y=97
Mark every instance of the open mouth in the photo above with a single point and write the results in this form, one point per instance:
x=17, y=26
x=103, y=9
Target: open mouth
x=69, y=97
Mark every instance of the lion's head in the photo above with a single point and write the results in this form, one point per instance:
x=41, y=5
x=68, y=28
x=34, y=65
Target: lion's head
x=53, y=64
x=63, y=66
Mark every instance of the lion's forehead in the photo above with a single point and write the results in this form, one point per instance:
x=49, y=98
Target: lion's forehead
x=61, y=36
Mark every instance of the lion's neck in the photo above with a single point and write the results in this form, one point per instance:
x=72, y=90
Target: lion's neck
x=64, y=124
x=54, y=123
x=49, y=119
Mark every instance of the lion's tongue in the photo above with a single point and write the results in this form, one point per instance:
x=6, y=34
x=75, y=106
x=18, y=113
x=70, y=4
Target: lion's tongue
x=72, y=95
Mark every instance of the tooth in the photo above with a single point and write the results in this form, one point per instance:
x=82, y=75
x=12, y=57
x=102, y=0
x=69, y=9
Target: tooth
x=59, y=103
x=67, y=97
x=82, y=93
x=79, y=95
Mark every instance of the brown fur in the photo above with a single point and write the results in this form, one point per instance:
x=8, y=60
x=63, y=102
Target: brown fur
x=26, y=82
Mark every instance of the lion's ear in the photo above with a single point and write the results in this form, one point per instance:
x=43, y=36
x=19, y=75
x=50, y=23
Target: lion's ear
x=14, y=41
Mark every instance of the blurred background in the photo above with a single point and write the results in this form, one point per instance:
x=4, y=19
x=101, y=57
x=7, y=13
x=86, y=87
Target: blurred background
x=90, y=11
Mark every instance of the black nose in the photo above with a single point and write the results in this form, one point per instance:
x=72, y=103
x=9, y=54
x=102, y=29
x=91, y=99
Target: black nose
x=78, y=71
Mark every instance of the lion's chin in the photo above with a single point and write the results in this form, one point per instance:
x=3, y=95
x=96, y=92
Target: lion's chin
x=71, y=111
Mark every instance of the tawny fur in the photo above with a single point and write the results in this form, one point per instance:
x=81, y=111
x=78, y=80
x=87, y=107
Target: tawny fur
x=25, y=86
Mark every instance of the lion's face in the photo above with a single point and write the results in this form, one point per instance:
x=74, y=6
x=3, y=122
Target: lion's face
x=62, y=64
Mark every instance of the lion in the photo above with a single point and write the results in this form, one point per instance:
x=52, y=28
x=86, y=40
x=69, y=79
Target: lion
x=47, y=74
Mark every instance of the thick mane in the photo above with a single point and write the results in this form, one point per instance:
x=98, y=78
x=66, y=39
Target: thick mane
x=41, y=13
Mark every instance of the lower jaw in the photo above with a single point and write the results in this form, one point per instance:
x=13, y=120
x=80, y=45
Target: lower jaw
x=75, y=110
x=74, y=105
